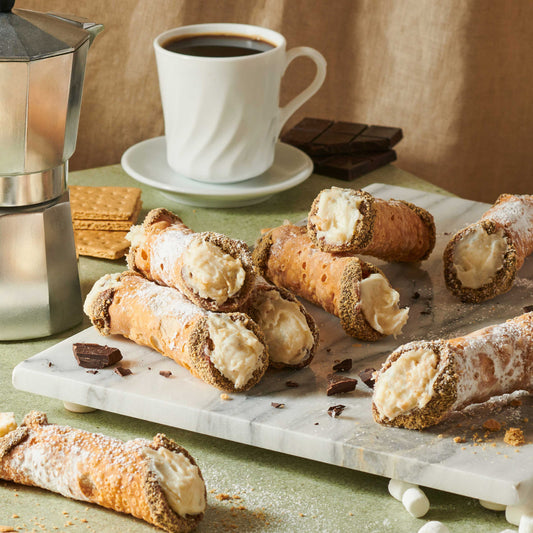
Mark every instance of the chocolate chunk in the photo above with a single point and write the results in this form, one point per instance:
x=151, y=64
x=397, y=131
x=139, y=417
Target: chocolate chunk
x=292, y=384
x=90, y=355
x=367, y=377
x=528, y=308
x=320, y=137
x=121, y=371
x=416, y=295
x=335, y=410
x=338, y=384
x=165, y=373
x=277, y=405
x=350, y=166
x=92, y=371
x=344, y=366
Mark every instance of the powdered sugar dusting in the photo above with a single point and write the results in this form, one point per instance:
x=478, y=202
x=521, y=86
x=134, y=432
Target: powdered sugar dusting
x=493, y=361
x=165, y=251
x=515, y=213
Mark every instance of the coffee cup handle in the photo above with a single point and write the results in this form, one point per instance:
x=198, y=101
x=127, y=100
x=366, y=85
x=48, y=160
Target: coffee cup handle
x=287, y=110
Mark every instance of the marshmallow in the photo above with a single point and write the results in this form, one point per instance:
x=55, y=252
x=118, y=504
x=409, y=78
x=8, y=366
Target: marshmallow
x=434, y=527
x=513, y=513
x=492, y=506
x=416, y=502
x=526, y=523
x=397, y=488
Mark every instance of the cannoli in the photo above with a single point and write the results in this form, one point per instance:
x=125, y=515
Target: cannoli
x=226, y=350
x=481, y=260
x=421, y=382
x=351, y=289
x=212, y=270
x=157, y=481
x=291, y=334
x=347, y=220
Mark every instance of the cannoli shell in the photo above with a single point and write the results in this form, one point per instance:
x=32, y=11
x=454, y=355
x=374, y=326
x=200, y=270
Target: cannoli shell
x=249, y=308
x=287, y=257
x=392, y=230
x=128, y=309
x=513, y=214
x=471, y=369
x=170, y=272
x=93, y=468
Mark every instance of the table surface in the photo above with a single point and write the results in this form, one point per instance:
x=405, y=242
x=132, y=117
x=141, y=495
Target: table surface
x=268, y=491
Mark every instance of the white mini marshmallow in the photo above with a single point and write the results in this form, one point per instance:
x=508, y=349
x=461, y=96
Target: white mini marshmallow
x=434, y=527
x=416, y=502
x=526, y=522
x=397, y=488
x=492, y=506
x=513, y=513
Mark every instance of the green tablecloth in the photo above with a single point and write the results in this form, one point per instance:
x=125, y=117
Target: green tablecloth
x=270, y=492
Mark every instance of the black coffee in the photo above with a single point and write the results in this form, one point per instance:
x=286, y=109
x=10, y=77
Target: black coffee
x=216, y=45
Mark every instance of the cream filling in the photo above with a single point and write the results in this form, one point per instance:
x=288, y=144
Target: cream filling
x=379, y=303
x=7, y=423
x=336, y=215
x=236, y=352
x=180, y=480
x=287, y=333
x=212, y=273
x=478, y=256
x=406, y=384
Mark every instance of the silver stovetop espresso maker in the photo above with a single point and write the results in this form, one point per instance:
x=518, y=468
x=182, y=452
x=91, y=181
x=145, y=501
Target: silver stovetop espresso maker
x=42, y=67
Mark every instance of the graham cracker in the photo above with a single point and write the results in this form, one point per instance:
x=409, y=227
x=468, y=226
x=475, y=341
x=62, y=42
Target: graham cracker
x=103, y=203
x=104, y=244
x=109, y=225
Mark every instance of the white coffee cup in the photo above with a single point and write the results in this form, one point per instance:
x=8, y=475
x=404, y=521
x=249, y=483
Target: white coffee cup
x=222, y=114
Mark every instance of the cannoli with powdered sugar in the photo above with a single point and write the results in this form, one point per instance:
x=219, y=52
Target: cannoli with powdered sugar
x=351, y=289
x=421, y=382
x=226, y=350
x=212, y=270
x=348, y=220
x=155, y=480
x=481, y=261
x=291, y=333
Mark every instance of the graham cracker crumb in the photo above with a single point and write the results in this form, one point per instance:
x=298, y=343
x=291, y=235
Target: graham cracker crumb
x=458, y=440
x=225, y=397
x=515, y=403
x=222, y=497
x=514, y=437
x=492, y=425
x=6, y=529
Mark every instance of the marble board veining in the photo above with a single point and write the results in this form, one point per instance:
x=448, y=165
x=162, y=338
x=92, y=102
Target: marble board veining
x=482, y=466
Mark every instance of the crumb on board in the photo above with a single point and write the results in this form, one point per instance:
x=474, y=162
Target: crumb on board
x=514, y=437
x=225, y=397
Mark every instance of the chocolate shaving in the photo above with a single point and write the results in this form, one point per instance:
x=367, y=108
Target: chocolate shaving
x=338, y=384
x=165, y=373
x=277, y=405
x=91, y=355
x=416, y=295
x=121, y=371
x=335, y=410
x=92, y=371
x=292, y=384
x=528, y=308
x=344, y=366
x=367, y=377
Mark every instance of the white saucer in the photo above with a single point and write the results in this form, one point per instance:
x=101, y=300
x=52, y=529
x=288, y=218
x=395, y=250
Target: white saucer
x=147, y=162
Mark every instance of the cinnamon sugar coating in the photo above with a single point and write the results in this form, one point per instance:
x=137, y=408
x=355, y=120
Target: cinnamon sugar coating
x=94, y=468
x=392, y=230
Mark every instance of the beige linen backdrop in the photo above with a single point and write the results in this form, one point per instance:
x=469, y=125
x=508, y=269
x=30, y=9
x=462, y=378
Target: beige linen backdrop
x=456, y=75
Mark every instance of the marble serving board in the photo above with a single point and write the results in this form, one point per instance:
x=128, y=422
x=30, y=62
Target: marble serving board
x=482, y=466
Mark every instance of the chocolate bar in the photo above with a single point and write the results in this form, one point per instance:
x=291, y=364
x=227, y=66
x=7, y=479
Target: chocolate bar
x=320, y=137
x=350, y=166
x=90, y=355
